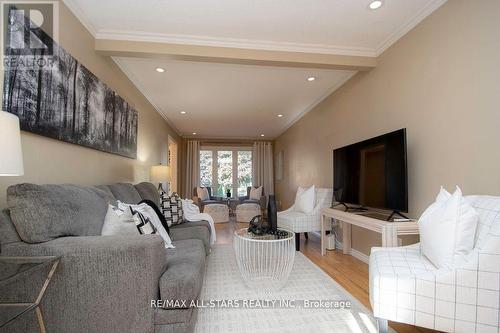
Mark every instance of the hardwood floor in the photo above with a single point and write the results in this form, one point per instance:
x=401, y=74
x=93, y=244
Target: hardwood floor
x=349, y=272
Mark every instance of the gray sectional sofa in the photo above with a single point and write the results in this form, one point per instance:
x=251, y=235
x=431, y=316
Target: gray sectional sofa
x=103, y=283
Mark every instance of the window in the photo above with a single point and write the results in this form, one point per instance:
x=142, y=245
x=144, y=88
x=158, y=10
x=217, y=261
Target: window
x=206, y=168
x=224, y=172
x=226, y=169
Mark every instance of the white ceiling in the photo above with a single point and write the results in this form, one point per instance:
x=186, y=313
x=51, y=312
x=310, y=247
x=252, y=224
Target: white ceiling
x=229, y=100
x=242, y=101
x=323, y=26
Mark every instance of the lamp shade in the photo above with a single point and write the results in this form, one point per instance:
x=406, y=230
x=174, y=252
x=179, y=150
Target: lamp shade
x=11, y=161
x=160, y=174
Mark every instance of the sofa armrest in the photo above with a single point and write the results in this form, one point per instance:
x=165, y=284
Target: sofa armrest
x=108, y=279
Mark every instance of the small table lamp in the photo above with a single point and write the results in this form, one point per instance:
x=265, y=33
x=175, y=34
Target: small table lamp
x=159, y=174
x=11, y=162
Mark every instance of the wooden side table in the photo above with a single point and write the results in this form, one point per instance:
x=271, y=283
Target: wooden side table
x=388, y=230
x=15, y=268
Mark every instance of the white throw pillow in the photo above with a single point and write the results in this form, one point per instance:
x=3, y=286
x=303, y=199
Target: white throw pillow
x=255, y=193
x=202, y=193
x=117, y=222
x=466, y=228
x=300, y=190
x=442, y=196
x=447, y=229
x=305, y=200
x=150, y=213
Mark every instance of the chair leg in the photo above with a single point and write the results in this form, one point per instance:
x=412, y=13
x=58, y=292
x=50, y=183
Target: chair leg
x=382, y=325
x=306, y=235
x=297, y=241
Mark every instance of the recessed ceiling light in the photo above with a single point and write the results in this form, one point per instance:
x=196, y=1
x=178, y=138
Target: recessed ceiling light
x=262, y=135
x=194, y=133
x=311, y=78
x=160, y=70
x=280, y=115
x=183, y=112
x=376, y=4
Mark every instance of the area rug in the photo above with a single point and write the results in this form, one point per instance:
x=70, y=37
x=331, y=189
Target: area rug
x=311, y=301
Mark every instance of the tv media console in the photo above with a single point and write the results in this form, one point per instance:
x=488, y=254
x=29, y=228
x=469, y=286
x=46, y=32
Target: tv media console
x=388, y=230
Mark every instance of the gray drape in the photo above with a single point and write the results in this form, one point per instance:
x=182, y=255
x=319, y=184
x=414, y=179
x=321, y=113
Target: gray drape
x=192, y=167
x=262, y=166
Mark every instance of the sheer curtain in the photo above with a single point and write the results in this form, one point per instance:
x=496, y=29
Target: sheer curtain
x=262, y=166
x=192, y=167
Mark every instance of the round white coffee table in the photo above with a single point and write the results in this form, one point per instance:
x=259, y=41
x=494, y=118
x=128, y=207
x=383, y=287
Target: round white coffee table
x=264, y=261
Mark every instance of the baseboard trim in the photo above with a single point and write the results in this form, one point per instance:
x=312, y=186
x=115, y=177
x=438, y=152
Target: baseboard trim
x=355, y=253
x=360, y=255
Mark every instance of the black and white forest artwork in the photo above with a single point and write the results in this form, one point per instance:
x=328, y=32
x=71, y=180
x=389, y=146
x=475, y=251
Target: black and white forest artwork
x=66, y=102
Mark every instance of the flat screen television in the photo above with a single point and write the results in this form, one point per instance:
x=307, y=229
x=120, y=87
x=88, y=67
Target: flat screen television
x=373, y=173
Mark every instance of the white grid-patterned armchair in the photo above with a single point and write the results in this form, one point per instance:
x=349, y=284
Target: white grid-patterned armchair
x=300, y=222
x=405, y=287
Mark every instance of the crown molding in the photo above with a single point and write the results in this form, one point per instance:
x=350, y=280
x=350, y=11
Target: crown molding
x=316, y=102
x=144, y=92
x=138, y=36
x=407, y=26
x=81, y=16
x=141, y=36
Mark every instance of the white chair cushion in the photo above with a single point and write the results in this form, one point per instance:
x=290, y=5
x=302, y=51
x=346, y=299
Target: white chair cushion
x=400, y=278
x=298, y=222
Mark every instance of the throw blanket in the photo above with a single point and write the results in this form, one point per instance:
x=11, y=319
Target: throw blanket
x=192, y=214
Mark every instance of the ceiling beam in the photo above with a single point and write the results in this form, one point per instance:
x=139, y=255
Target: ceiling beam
x=141, y=49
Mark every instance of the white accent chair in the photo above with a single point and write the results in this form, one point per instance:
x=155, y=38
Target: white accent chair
x=406, y=287
x=300, y=222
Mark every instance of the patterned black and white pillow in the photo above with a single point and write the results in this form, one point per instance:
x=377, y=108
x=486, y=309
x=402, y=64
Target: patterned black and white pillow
x=143, y=223
x=172, y=209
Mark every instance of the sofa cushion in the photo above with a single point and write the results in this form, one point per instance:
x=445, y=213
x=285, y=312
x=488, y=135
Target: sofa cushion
x=194, y=223
x=174, y=316
x=106, y=189
x=192, y=230
x=148, y=191
x=183, y=278
x=44, y=212
x=8, y=233
x=126, y=193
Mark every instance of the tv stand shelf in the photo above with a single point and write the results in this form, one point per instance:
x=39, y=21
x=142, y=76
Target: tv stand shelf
x=388, y=230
